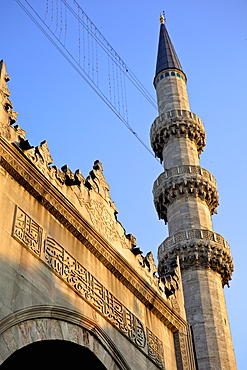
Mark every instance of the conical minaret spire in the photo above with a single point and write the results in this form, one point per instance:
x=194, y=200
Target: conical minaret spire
x=185, y=197
x=167, y=57
x=169, y=95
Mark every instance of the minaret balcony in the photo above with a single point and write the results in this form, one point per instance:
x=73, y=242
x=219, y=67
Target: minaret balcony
x=198, y=248
x=183, y=181
x=181, y=123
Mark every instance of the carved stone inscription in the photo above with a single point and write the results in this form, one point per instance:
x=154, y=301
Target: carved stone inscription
x=155, y=348
x=27, y=231
x=93, y=291
x=30, y=234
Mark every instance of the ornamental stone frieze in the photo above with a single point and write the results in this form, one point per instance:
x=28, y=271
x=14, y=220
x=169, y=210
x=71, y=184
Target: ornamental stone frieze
x=31, y=179
x=198, y=248
x=184, y=181
x=101, y=210
x=180, y=123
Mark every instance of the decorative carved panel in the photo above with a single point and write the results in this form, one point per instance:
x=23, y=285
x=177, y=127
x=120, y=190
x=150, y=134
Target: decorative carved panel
x=27, y=231
x=84, y=283
x=155, y=348
x=104, y=222
x=184, y=349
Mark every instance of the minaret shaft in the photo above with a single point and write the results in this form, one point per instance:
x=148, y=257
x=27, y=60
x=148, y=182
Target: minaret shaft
x=188, y=213
x=206, y=313
x=180, y=151
x=172, y=94
x=185, y=197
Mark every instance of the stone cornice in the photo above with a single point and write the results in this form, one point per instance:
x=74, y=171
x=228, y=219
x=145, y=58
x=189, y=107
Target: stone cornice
x=199, y=248
x=28, y=176
x=184, y=181
x=180, y=123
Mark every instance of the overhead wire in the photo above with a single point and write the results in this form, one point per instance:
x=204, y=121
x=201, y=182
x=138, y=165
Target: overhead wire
x=112, y=54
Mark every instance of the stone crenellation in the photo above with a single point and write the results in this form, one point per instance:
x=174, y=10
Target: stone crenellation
x=102, y=213
x=89, y=195
x=99, y=215
x=181, y=123
x=101, y=218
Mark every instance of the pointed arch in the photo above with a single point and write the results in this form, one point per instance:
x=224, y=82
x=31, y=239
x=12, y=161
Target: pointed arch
x=50, y=323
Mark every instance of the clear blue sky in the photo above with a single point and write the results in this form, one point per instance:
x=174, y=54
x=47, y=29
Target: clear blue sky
x=54, y=103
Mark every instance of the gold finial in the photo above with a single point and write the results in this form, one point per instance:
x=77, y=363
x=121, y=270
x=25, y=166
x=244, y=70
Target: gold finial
x=162, y=18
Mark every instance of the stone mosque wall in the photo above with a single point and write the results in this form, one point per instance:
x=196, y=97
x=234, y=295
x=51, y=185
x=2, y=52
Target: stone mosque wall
x=70, y=272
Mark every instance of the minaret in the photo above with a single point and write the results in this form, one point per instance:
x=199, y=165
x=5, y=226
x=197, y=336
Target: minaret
x=185, y=197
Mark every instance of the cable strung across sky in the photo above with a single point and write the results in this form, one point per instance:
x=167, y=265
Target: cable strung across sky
x=79, y=41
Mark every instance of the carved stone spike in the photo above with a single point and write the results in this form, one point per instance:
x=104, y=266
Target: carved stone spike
x=88, y=184
x=98, y=182
x=44, y=153
x=30, y=152
x=12, y=117
x=59, y=174
x=169, y=275
x=136, y=250
x=132, y=239
x=79, y=177
x=70, y=178
x=4, y=78
x=148, y=261
x=24, y=144
x=20, y=132
x=98, y=166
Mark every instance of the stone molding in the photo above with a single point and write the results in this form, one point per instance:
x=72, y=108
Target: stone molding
x=181, y=123
x=28, y=176
x=199, y=248
x=184, y=349
x=38, y=323
x=184, y=181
